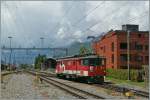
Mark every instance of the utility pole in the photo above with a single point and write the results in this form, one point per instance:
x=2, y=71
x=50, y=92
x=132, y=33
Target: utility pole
x=42, y=41
x=90, y=44
x=128, y=53
x=10, y=38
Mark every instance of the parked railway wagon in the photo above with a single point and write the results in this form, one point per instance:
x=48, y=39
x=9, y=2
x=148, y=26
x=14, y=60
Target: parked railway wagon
x=90, y=69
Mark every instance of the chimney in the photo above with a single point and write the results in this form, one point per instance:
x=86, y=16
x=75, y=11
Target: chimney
x=130, y=27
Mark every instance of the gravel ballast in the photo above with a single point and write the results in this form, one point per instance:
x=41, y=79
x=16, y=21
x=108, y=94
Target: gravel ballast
x=24, y=86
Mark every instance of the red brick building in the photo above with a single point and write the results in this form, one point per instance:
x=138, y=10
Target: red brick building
x=113, y=45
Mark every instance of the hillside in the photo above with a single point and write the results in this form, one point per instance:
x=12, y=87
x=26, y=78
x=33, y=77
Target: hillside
x=74, y=48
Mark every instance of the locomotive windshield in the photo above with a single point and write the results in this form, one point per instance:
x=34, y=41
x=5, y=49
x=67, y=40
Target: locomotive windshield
x=93, y=62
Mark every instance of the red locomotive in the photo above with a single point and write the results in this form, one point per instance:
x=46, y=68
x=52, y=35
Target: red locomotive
x=91, y=68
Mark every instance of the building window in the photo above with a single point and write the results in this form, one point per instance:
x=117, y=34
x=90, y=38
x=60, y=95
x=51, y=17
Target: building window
x=123, y=57
x=139, y=35
x=135, y=44
x=123, y=67
x=112, y=46
x=146, y=58
x=146, y=35
x=112, y=67
x=112, y=58
x=146, y=47
x=123, y=45
x=139, y=47
x=139, y=58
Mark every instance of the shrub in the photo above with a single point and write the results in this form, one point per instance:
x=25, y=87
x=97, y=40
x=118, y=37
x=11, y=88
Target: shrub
x=122, y=74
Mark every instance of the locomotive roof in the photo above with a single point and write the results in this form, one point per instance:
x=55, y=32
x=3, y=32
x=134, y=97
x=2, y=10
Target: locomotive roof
x=80, y=57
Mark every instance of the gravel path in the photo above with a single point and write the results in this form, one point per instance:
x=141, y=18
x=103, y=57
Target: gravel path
x=24, y=86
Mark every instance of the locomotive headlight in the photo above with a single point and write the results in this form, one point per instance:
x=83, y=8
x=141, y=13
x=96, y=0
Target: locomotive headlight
x=91, y=68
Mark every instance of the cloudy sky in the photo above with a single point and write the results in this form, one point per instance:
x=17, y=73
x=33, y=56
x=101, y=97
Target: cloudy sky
x=63, y=22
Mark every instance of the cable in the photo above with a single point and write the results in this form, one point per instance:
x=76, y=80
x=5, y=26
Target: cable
x=102, y=18
x=7, y=10
x=105, y=22
x=66, y=13
x=12, y=16
x=21, y=18
x=91, y=11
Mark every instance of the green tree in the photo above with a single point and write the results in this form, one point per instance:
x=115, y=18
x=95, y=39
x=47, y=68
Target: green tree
x=83, y=50
x=39, y=60
x=24, y=66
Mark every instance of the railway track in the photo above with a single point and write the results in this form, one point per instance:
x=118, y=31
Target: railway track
x=11, y=72
x=73, y=90
x=81, y=94
x=112, y=87
x=124, y=90
x=141, y=93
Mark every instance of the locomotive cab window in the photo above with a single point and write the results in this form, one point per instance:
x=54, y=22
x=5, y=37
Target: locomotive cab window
x=93, y=62
x=85, y=62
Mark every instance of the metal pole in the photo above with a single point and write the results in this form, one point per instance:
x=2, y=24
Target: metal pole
x=90, y=44
x=128, y=53
x=5, y=59
x=5, y=62
x=10, y=51
x=42, y=41
x=66, y=52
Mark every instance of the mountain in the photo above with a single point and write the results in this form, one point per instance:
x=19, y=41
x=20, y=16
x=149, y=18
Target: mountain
x=27, y=57
x=74, y=48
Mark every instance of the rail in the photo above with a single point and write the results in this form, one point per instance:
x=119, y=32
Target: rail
x=81, y=94
x=111, y=87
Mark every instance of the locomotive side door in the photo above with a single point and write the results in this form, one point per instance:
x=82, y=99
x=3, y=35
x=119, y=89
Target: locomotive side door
x=100, y=68
x=78, y=64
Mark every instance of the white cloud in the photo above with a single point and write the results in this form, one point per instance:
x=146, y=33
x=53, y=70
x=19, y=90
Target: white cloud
x=27, y=21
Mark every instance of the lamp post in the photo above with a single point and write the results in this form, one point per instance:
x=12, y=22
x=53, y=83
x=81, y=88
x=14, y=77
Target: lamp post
x=10, y=39
x=91, y=37
x=128, y=53
x=42, y=41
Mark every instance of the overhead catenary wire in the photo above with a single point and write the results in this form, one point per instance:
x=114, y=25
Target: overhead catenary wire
x=89, y=12
x=100, y=21
x=13, y=17
x=21, y=17
x=3, y=20
x=104, y=18
x=11, y=12
x=8, y=12
x=142, y=15
x=66, y=13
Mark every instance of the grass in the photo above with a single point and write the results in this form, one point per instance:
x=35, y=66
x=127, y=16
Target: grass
x=125, y=82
